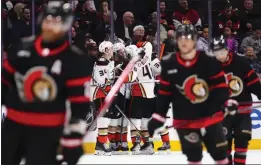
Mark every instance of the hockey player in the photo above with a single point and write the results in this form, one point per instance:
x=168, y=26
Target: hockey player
x=36, y=81
x=196, y=85
x=142, y=95
x=103, y=75
x=156, y=69
x=242, y=81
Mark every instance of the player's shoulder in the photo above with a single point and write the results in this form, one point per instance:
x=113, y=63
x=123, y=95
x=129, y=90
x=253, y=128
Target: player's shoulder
x=241, y=61
x=207, y=61
x=101, y=61
x=168, y=60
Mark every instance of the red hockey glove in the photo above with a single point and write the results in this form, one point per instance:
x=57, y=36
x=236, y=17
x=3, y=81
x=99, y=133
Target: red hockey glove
x=72, y=141
x=231, y=107
x=155, y=122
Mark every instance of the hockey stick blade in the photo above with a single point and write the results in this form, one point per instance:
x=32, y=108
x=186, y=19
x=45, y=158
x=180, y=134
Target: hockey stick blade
x=115, y=88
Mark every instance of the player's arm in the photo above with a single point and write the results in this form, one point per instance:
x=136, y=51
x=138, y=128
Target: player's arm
x=7, y=77
x=251, y=80
x=155, y=66
x=100, y=73
x=162, y=101
x=77, y=87
x=218, y=88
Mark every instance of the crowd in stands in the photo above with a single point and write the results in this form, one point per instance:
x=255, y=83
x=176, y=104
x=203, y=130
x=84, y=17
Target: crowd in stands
x=238, y=20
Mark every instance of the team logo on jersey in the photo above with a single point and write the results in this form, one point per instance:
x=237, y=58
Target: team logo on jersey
x=194, y=89
x=36, y=85
x=235, y=84
x=185, y=21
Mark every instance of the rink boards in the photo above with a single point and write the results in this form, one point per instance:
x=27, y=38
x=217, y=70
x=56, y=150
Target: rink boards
x=255, y=143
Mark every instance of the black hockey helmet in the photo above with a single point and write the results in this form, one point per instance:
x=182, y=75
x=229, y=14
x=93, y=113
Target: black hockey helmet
x=187, y=31
x=218, y=43
x=60, y=11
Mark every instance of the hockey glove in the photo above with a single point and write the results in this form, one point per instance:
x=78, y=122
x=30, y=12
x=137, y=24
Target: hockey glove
x=155, y=122
x=141, y=52
x=72, y=141
x=231, y=107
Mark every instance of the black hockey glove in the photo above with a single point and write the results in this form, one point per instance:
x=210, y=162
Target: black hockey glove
x=231, y=107
x=155, y=122
x=72, y=141
x=142, y=52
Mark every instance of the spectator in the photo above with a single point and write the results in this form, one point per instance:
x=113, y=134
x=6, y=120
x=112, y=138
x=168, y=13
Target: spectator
x=151, y=29
x=202, y=43
x=73, y=32
x=18, y=9
x=185, y=15
x=105, y=7
x=124, y=30
x=88, y=16
x=166, y=15
x=103, y=29
x=251, y=45
x=249, y=15
x=228, y=18
x=253, y=59
x=170, y=42
x=232, y=43
x=22, y=27
x=138, y=34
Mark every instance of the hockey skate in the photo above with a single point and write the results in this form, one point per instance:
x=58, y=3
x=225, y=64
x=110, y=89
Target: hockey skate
x=164, y=149
x=147, y=148
x=102, y=149
x=122, y=149
x=135, y=149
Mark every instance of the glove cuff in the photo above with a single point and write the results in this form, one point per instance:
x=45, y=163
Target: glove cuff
x=158, y=117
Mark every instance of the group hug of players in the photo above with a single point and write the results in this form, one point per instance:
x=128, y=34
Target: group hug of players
x=211, y=96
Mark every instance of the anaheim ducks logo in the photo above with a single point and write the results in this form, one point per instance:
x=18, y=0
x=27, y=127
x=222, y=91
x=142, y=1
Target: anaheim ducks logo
x=195, y=89
x=235, y=84
x=36, y=85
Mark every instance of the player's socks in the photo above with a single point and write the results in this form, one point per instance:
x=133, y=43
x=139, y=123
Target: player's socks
x=240, y=156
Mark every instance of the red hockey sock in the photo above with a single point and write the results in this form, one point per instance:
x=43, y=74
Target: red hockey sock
x=112, y=136
x=240, y=156
x=102, y=138
x=125, y=137
x=165, y=137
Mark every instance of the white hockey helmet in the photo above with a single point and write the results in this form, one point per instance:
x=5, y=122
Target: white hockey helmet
x=132, y=50
x=106, y=48
x=118, y=46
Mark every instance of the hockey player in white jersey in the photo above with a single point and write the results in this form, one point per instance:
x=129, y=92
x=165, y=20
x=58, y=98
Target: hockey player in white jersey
x=142, y=98
x=102, y=77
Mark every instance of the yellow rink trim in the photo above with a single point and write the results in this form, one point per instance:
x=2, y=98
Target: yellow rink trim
x=89, y=147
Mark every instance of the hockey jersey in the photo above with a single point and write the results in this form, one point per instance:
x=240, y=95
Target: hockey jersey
x=196, y=87
x=102, y=77
x=242, y=80
x=38, y=79
x=142, y=86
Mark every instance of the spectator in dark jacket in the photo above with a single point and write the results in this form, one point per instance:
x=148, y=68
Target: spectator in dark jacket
x=22, y=27
x=170, y=42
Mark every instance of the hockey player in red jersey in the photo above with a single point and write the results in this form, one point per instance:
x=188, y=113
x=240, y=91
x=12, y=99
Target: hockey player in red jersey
x=36, y=81
x=242, y=81
x=195, y=84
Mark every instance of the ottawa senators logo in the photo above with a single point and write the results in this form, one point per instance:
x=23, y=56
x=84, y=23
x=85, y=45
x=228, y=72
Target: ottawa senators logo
x=36, y=85
x=235, y=84
x=194, y=89
x=185, y=21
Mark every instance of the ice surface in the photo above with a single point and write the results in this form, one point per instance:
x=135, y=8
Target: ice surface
x=254, y=157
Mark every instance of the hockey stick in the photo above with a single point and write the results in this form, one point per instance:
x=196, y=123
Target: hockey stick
x=140, y=82
x=249, y=102
x=215, y=115
x=115, y=88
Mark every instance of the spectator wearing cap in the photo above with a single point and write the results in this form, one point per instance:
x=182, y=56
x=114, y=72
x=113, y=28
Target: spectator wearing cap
x=166, y=15
x=185, y=15
x=202, y=43
x=228, y=18
x=251, y=45
x=23, y=26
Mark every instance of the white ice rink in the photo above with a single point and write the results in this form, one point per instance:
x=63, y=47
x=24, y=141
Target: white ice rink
x=254, y=157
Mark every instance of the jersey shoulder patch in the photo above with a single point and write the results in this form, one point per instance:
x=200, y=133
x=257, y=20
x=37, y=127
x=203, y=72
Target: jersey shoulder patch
x=102, y=61
x=168, y=56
